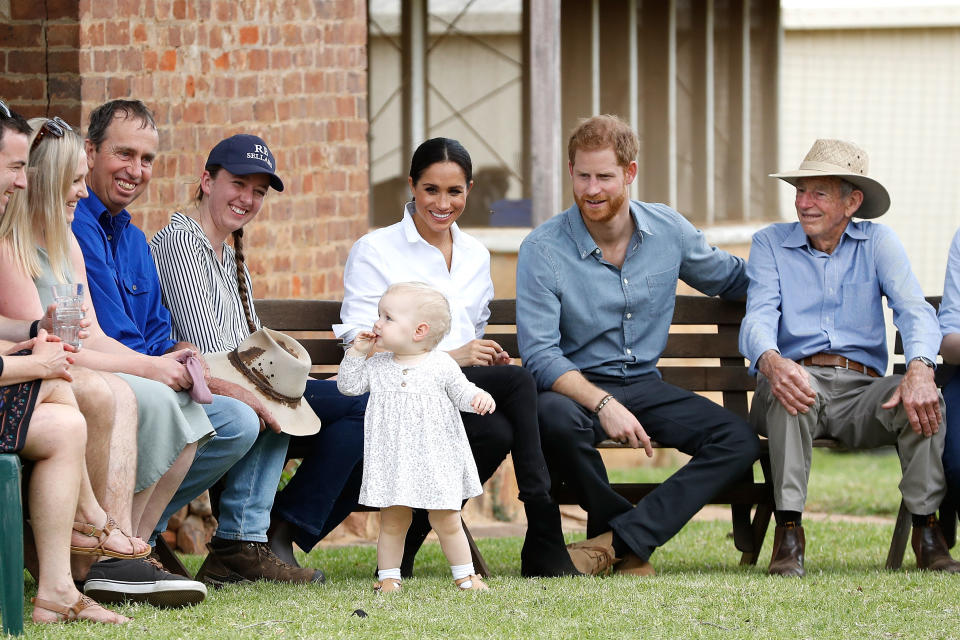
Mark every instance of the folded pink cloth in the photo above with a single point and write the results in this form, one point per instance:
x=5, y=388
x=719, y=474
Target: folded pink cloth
x=200, y=392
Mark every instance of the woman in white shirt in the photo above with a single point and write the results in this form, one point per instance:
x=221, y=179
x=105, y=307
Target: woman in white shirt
x=427, y=246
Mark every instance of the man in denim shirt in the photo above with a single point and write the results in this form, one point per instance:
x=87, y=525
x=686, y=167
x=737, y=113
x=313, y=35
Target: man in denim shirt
x=596, y=287
x=815, y=331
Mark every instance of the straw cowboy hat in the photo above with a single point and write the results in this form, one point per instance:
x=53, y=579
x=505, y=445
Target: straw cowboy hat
x=843, y=160
x=275, y=367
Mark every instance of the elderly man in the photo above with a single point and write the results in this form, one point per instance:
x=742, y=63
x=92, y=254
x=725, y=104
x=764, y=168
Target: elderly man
x=814, y=330
x=596, y=286
x=122, y=143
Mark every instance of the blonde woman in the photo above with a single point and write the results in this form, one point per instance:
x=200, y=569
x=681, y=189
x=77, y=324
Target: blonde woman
x=37, y=249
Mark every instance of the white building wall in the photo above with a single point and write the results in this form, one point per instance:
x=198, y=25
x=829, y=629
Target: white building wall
x=896, y=92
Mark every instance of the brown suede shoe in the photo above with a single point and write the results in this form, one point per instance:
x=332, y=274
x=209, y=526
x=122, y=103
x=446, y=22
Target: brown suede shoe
x=931, y=548
x=788, y=546
x=632, y=565
x=245, y=561
x=593, y=556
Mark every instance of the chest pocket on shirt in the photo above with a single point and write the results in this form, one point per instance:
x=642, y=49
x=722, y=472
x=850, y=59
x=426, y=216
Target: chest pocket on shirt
x=857, y=305
x=663, y=289
x=136, y=286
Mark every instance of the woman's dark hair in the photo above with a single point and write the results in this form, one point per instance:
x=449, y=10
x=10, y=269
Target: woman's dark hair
x=213, y=170
x=437, y=150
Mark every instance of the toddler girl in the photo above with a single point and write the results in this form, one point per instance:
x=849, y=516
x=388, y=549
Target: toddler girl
x=415, y=451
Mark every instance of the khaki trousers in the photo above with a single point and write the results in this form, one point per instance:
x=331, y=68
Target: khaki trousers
x=847, y=409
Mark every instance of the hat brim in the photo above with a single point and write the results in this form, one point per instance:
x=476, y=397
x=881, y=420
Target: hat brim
x=876, y=200
x=299, y=421
x=241, y=169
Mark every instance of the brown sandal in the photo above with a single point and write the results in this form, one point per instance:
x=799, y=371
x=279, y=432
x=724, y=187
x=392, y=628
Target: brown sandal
x=476, y=583
x=72, y=613
x=387, y=585
x=102, y=535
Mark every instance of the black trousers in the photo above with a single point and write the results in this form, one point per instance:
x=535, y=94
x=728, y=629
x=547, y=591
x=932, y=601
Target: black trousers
x=723, y=447
x=512, y=427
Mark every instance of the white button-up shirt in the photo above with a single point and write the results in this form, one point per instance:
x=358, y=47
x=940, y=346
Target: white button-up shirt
x=399, y=253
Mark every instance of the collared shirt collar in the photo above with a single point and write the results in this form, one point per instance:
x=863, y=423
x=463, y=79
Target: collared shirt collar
x=586, y=245
x=192, y=227
x=411, y=233
x=797, y=238
x=110, y=223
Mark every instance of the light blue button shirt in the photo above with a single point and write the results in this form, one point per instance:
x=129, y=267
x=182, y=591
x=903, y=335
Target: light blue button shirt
x=949, y=314
x=803, y=301
x=576, y=311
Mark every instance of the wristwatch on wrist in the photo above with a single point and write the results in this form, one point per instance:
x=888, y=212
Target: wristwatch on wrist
x=926, y=361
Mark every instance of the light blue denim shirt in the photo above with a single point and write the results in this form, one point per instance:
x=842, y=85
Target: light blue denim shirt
x=803, y=301
x=576, y=311
x=949, y=314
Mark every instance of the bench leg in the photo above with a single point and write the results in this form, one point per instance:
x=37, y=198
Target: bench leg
x=761, y=521
x=11, y=545
x=479, y=564
x=898, y=544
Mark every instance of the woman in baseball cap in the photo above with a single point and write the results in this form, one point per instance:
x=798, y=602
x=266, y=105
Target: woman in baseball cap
x=207, y=288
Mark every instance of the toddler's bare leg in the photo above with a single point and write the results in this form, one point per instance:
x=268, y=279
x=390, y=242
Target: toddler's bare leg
x=394, y=522
x=453, y=541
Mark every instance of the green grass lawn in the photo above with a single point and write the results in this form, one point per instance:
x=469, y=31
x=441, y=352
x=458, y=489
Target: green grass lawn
x=700, y=592
x=843, y=483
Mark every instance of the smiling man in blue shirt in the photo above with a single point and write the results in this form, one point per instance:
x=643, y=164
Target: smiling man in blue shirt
x=596, y=287
x=815, y=331
x=125, y=289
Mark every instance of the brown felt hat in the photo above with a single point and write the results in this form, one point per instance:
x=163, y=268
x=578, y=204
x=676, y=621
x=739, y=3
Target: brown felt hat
x=844, y=160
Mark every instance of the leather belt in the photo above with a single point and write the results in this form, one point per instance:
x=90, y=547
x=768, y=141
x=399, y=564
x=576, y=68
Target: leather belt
x=833, y=360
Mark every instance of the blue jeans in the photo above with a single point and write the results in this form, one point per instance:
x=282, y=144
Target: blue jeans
x=250, y=462
x=325, y=488
x=951, y=444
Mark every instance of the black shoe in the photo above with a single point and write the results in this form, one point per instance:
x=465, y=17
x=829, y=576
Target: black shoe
x=120, y=580
x=233, y=561
x=544, y=553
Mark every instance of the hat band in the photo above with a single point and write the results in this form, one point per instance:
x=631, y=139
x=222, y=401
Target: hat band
x=260, y=382
x=828, y=167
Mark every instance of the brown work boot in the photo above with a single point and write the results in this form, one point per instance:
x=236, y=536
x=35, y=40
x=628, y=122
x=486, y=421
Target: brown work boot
x=788, y=546
x=245, y=561
x=632, y=565
x=931, y=548
x=593, y=556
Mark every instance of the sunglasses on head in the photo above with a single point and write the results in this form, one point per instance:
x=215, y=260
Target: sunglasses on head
x=54, y=126
x=4, y=110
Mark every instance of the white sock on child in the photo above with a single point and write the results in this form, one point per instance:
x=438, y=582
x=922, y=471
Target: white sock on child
x=382, y=574
x=463, y=571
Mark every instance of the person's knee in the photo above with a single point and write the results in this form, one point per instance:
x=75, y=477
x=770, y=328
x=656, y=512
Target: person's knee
x=395, y=521
x=446, y=523
x=236, y=425
x=560, y=419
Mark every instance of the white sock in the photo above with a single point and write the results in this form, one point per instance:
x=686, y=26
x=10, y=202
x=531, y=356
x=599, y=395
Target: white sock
x=463, y=571
x=382, y=574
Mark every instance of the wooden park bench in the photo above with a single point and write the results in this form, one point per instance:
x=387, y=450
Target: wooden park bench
x=701, y=355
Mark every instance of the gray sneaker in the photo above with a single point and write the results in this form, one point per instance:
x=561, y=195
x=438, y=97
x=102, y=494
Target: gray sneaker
x=144, y=580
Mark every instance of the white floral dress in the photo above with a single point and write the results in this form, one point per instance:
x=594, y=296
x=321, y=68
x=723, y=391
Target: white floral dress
x=415, y=451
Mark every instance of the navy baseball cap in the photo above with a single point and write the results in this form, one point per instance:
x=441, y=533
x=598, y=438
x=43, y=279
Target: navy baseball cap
x=244, y=154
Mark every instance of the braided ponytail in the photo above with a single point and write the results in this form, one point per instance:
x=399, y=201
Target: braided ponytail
x=242, y=279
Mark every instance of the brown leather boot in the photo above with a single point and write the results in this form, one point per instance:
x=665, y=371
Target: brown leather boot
x=788, y=546
x=931, y=548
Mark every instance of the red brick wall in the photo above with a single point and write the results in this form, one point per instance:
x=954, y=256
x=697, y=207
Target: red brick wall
x=292, y=72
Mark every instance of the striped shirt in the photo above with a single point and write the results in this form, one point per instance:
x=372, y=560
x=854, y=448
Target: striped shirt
x=199, y=290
